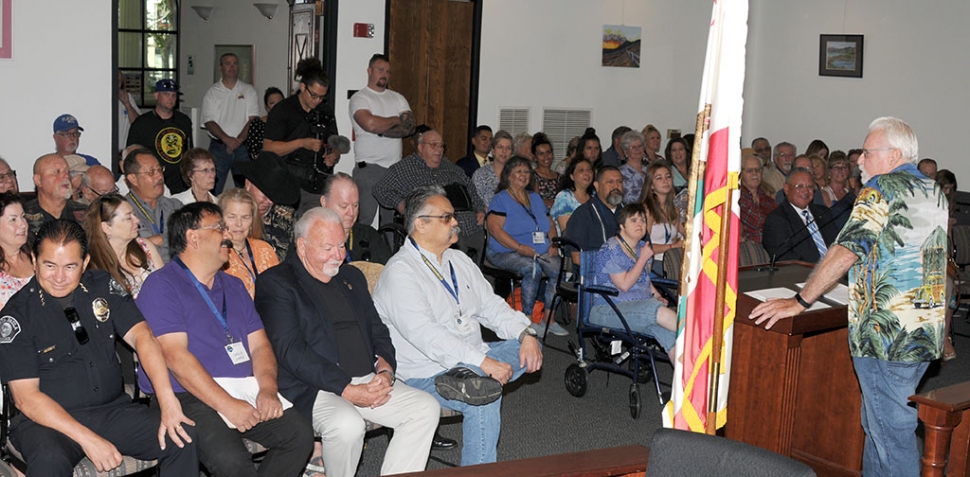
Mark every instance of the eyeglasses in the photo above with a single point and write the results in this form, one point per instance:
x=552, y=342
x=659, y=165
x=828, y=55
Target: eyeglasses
x=66, y=135
x=207, y=170
x=443, y=217
x=6, y=176
x=437, y=145
x=80, y=333
x=784, y=154
x=840, y=166
x=868, y=152
x=151, y=172
x=751, y=170
x=803, y=186
x=114, y=190
x=220, y=227
x=313, y=95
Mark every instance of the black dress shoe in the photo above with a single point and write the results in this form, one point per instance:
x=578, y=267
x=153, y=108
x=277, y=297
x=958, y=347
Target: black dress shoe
x=463, y=384
x=441, y=442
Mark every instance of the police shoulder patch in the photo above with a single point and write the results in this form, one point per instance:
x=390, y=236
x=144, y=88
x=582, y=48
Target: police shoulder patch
x=9, y=329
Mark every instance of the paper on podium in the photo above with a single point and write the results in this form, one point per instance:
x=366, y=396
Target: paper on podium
x=244, y=389
x=767, y=293
x=838, y=293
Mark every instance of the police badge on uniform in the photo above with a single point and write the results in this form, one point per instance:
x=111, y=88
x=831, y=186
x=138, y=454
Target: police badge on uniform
x=100, y=308
x=9, y=329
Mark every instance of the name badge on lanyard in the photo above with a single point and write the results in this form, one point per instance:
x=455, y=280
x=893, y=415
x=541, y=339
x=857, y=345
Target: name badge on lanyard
x=538, y=237
x=235, y=349
x=237, y=352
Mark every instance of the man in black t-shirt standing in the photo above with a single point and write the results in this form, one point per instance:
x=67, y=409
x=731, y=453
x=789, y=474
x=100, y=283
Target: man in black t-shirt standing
x=166, y=131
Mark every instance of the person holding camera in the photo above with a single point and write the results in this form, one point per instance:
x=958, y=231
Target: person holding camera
x=302, y=129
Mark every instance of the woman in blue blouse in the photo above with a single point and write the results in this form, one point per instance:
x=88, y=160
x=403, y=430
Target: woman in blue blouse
x=520, y=231
x=623, y=262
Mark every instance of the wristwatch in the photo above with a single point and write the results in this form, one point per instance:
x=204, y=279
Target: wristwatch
x=528, y=331
x=389, y=373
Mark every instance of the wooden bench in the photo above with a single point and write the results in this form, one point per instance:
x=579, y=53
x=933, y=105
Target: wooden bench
x=945, y=413
x=626, y=461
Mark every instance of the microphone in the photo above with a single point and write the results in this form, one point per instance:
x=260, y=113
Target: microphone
x=787, y=246
x=338, y=142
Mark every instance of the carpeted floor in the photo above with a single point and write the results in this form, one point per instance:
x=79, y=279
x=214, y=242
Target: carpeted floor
x=540, y=418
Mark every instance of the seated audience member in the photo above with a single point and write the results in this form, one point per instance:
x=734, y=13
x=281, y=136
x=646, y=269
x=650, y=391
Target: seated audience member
x=614, y=156
x=96, y=182
x=335, y=354
x=52, y=182
x=122, y=182
x=678, y=153
x=482, y=142
x=198, y=168
x=254, y=140
x=589, y=148
x=664, y=226
x=520, y=232
x=948, y=183
x=147, y=180
x=67, y=412
x=855, y=181
x=16, y=266
x=820, y=171
x=633, y=169
x=486, y=177
x=595, y=221
x=762, y=148
x=523, y=146
x=428, y=166
x=798, y=229
x=623, y=262
x=577, y=188
x=817, y=148
x=363, y=243
x=8, y=178
x=837, y=195
x=854, y=155
x=271, y=184
x=754, y=203
x=67, y=138
x=545, y=181
x=250, y=254
x=112, y=229
x=928, y=167
x=651, y=144
x=801, y=162
x=776, y=170
x=222, y=363
x=572, y=151
x=443, y=355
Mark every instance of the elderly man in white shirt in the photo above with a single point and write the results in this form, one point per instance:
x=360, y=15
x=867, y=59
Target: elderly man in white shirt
x=433, y=299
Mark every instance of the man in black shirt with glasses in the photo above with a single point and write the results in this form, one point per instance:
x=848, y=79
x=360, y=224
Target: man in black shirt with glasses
x=57, y=356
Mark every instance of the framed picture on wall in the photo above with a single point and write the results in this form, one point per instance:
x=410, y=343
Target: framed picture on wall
x=840, y=55
x=6, y=52
x=247, y=61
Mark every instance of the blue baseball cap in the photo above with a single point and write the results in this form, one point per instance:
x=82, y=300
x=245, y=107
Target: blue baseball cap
x=167, y=85
x=66, y=122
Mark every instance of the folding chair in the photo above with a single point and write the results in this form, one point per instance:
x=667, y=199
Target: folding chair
x=595, y=350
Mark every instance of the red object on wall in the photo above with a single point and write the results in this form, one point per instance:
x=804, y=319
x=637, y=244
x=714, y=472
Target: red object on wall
x=363, y=30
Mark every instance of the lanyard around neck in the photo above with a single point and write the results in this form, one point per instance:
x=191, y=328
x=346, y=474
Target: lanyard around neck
x=159, y=227
x=453, y=287
x=222, y=317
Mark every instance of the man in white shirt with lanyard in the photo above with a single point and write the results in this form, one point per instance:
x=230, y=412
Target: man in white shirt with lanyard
x=433, y=299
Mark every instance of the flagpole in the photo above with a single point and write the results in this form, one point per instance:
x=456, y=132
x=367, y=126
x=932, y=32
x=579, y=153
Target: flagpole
x=717, y=337
x=697, y=169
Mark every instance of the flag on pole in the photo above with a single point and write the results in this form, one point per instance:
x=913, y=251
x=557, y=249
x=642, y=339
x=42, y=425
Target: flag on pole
x=708, y=294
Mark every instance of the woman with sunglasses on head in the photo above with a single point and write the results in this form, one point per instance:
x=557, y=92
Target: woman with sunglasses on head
x=16, y=266
x=114, y=244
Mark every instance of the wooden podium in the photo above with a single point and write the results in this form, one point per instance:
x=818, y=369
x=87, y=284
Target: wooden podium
x=793, y=388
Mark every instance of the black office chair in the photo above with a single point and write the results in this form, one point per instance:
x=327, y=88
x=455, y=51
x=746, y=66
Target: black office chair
x=394, y=235
x=501, y=276
x=676, y=453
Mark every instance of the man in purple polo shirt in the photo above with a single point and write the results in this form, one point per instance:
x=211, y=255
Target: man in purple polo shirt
x=223, y=364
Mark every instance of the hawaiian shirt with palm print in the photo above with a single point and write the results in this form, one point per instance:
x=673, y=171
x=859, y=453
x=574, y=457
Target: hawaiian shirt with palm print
x=897, y=289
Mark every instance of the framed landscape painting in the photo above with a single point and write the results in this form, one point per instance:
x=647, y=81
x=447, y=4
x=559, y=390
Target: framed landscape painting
x=840, y=55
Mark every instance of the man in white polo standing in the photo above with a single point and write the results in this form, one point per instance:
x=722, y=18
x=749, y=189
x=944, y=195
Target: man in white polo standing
x=228, y=107
x=380, y=117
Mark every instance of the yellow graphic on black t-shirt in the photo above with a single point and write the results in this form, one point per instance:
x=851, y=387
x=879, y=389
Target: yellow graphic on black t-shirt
x=170, y=144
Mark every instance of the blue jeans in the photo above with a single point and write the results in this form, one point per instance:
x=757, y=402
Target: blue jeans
x=224, y=162
x=641, y=315
x=532, y=271
x=888, y=419
x=481, y=424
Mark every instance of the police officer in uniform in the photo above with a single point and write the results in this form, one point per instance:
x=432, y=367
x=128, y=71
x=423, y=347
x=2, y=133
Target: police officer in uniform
x=57, y=355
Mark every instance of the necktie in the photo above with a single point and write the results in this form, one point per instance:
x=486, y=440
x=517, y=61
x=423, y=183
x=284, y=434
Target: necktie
x=816, y=235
